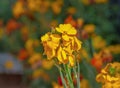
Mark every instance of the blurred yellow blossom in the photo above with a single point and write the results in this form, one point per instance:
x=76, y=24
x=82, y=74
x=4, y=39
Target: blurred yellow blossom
x=98, y=42
x=53, y=23
x=34, y=58
x=9, y=64
x=84, y=84
x=71, y=10
x=57, y=6
x=56, y=85
x=115, y=49
x=86, y=2
x=38, y=5
x=110, y=76
x=80, y=22
x=18, y=9
x=39, y=73
x=100, y=1
x=1, y=33
x=29, y=46
x=47, y=64
x=24, y=33
x=89, y=28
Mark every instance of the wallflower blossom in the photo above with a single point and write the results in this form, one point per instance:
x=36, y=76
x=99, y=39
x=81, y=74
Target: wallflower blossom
x=62, y=44
x=18, y=9
x=39, y=73
x=89, y=28
x=98, y=42
x=70, y=20
x=101, y=1
x=110, y=76
x=47, y=64
x=115, y=49
x=38, y=5
x=57, y=6
x=50, y=43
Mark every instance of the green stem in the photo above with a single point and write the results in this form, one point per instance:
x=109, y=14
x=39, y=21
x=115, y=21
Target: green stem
x=78, y=74
x=91, y=47
x=77, y=77
x=68, y=76
x=63, y=80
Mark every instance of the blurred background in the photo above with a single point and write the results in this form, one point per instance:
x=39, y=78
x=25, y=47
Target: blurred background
x=23, y=22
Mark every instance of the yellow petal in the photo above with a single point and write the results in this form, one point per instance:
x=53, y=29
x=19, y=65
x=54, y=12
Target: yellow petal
x=59, y=56
x=71, y=60
x=77, y=45
x=64, y=55
x=65, y=37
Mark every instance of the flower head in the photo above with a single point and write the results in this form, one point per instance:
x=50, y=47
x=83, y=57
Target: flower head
x=110, y=76
x=66, y=29
x=62, y=45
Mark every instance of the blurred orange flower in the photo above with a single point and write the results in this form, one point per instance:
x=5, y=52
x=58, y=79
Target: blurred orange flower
x=18, y=9
x=70, y=20
x=57, y=6
x=38, y=5
x=23, y=54
x=89, y=28
x=12, y=25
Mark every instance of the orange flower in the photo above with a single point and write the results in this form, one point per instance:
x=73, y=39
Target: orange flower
x=80, y=22
x=23, y=54
x=96, y=61
x=38, y=5
x=18, y=9
x=12, y=25
x=57, y=6
x=89, y=28
x=70, y=20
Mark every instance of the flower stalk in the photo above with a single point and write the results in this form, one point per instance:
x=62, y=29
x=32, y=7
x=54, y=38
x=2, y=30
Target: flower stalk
x=61, y=46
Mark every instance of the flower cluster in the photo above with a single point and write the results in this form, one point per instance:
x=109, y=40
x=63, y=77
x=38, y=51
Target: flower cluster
x=61, y=44
x=110, y=76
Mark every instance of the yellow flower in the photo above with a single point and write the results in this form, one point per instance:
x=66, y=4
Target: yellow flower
x=89, y=28
x=57, y=6
x=80, y=22
x=9, y=64
x=61, y=45
x=37, y=73
x=115, y=49
x=86, y=2
x=55, y=85
x=38, y=5
x=98, y=42
x=34, y=58
x=69, y=36
x=66, y=29
x=50, y=43
x=1, y=33
x=71, y=10
x=110, y=76
x=29, y=46
x=100, y=1
x=84, y=84
x=47, y=64
x=18, y=9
